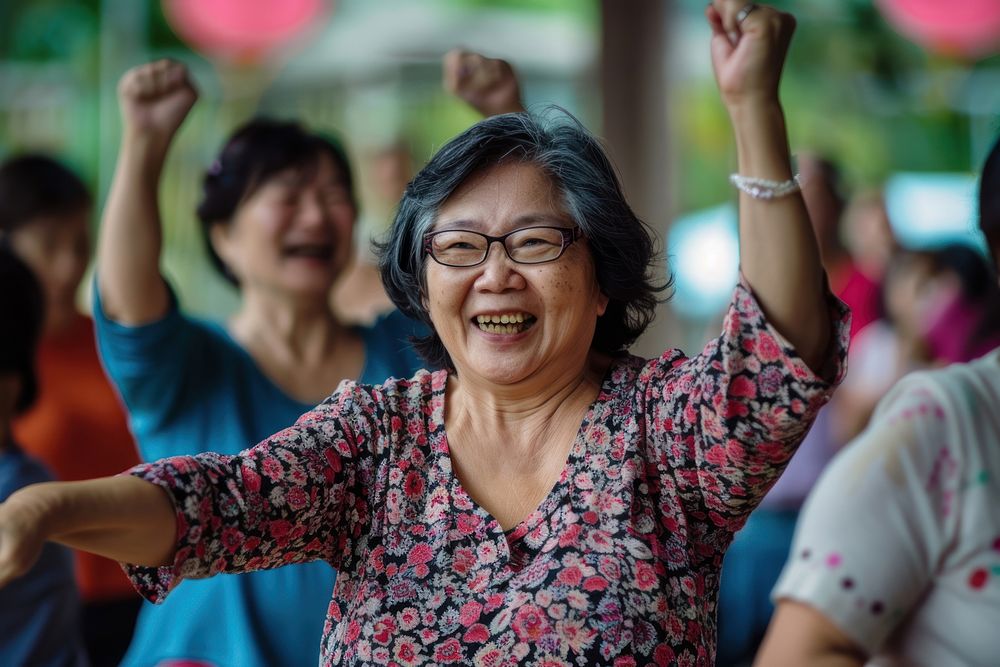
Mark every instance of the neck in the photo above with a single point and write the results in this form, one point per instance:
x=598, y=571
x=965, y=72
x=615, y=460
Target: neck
x=303, y=329
x=59, y=321
x=520, y=414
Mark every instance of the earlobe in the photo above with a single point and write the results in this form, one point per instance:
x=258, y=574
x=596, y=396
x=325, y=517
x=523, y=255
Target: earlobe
x=602, y=303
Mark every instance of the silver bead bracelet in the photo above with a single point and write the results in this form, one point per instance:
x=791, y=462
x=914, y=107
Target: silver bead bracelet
x=762, y=188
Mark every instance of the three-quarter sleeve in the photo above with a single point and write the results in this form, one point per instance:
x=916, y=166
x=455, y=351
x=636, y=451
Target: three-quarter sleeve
x=298, y=496
x=727, y=420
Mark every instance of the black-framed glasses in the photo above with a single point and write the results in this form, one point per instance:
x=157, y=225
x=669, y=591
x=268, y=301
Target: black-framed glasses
x=530, y=245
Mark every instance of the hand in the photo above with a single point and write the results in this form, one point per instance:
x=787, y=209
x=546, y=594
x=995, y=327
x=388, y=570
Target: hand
x=748, y=56
x=155, y=99
x=489, y=85
x=21, y=537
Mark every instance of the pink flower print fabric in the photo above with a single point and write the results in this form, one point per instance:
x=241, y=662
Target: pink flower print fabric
x=618, y=565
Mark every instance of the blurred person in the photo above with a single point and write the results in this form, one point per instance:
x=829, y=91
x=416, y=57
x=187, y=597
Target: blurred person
x=958, y=302
x=358, y=296
x=937, y=305
x=40, y=612
x=277, y=215
x=489, y=86
x=823, y=191
x=546, y=497
x=868, y=234
x=76, y=427
x=895, y=560
x=886, y=349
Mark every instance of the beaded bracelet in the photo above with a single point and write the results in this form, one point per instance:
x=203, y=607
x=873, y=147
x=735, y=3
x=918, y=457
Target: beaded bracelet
x=762, y=188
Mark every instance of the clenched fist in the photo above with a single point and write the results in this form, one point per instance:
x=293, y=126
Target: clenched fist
x=155, y=98
x=489, y=85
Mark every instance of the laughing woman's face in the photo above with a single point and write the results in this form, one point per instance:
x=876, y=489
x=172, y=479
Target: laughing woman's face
x=293, y=234
x=502, y=321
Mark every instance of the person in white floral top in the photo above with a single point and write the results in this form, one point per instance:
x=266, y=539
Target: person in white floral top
x=546, y=498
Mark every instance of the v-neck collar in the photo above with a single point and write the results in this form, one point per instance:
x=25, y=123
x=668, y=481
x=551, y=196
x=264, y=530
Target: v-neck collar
x=511, y=540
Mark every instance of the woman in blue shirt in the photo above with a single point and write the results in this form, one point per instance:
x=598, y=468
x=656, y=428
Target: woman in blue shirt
x=277, y=213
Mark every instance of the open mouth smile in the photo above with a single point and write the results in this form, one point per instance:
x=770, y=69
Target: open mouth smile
x=514, y=322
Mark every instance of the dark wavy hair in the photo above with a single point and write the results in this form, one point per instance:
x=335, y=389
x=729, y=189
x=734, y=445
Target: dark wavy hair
x=34, y=185
x=23, y=306
x=254, y=153
x=620, y=243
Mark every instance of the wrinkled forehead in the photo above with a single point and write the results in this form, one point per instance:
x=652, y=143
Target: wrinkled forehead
x=511, y=193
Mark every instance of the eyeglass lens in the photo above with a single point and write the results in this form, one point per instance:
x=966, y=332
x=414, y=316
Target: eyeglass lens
x=532, y=245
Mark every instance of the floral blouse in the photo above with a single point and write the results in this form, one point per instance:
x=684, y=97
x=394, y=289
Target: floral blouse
x=618, y=565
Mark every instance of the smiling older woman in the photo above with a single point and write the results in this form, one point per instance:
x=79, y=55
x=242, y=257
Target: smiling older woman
x=547, y=498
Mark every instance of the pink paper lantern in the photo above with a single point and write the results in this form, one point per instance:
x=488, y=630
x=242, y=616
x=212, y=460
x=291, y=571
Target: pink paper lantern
x=968, y=28
x=241, y=30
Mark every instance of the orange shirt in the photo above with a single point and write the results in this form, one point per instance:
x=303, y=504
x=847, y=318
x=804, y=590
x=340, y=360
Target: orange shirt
x=77, y=427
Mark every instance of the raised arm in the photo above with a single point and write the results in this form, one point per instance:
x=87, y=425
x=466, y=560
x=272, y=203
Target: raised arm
x=488, y=85
x=154, y=100
x=122, y=518
x=779, y=256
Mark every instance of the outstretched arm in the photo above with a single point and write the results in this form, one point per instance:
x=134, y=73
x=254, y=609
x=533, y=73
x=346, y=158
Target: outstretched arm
x=154, y=100
x=122, y=518
x=488, y=85
x=778, y=252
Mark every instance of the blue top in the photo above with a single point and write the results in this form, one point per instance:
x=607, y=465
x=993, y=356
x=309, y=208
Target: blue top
x=39, y=612
x=189, y=388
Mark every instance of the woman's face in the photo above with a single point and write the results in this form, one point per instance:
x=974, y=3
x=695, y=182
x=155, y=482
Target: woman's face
x=57, y=249
x=293, y=234
x=559, y=301
x=906, y=288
